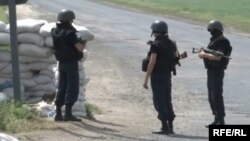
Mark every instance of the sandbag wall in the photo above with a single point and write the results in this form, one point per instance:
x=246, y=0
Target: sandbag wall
x=38, y=67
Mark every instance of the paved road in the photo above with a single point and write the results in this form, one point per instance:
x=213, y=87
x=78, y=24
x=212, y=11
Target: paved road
x=136, y=26
x=126, y=32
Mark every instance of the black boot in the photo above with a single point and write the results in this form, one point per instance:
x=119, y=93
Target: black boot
x=58, y=116
x=214, y=122
x=164, y=129
x=220, y=121
x=171, y=127
x=68, y=114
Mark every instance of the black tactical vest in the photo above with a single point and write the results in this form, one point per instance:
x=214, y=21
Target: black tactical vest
x=165, y=61
x=64, y=49
x=216, y=44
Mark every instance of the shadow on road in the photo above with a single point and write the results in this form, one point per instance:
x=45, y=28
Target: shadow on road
x=106, y=123
x=189, y=137
x=79, y=135
x=106, y=131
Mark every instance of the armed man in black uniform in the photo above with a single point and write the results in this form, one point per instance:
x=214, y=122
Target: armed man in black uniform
x=216, y=65
x=68, y=51
x=163, y=52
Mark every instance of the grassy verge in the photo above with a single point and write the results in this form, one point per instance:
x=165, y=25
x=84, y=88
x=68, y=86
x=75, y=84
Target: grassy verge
x=3, y=16
x=231, y=12
x=91, y=110
x=16, y=118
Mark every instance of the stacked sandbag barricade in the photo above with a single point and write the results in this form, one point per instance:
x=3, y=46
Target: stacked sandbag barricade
x=38, y=66
x=6, y=88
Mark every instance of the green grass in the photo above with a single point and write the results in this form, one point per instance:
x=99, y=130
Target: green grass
x=92, y=109
x=3, y=16
x=231, y=12
x=16, y=118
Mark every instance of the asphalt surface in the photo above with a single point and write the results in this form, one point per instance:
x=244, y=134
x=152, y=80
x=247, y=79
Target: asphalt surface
x=127, y=32
x=136, y=26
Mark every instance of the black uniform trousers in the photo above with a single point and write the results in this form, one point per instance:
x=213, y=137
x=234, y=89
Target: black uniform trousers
x=162, y=99
x=68, y=85
x=215, y=90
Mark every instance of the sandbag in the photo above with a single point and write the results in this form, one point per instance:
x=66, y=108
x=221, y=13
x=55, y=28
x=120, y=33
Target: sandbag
x=49, y=42
x=24, y=75
x=49, y=73
x=4, y=38
x=28, y=83
x=84, y=33
x=37, y=93
x=33, y=50
x=5, y=56
x=32, y=38
x=37, y=66
x=9, y=92
x=2, y=26
x=32, y=100
x=2, y=80
x=50, y=60
x=42, y=79
x=45, y=30
x=28, y=25
x=28, y=59
x=81, y=96
x=6, y=68
x=79, y=106
x=49, y=87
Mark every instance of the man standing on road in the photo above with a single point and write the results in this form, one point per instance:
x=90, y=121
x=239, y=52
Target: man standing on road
x=163, y=52
x=68, y=51
x=216, y=66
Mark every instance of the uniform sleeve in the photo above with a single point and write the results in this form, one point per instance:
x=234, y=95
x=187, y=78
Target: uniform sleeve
x=154, y=49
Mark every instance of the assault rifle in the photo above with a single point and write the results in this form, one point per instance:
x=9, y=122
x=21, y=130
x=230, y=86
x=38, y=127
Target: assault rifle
x=210, y=51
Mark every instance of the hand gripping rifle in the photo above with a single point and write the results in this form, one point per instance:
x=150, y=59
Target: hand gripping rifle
x=210, y=51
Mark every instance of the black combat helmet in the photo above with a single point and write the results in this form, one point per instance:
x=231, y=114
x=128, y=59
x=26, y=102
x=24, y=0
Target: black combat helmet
x=159, y=27
x=66, y=16
x=215, y=25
